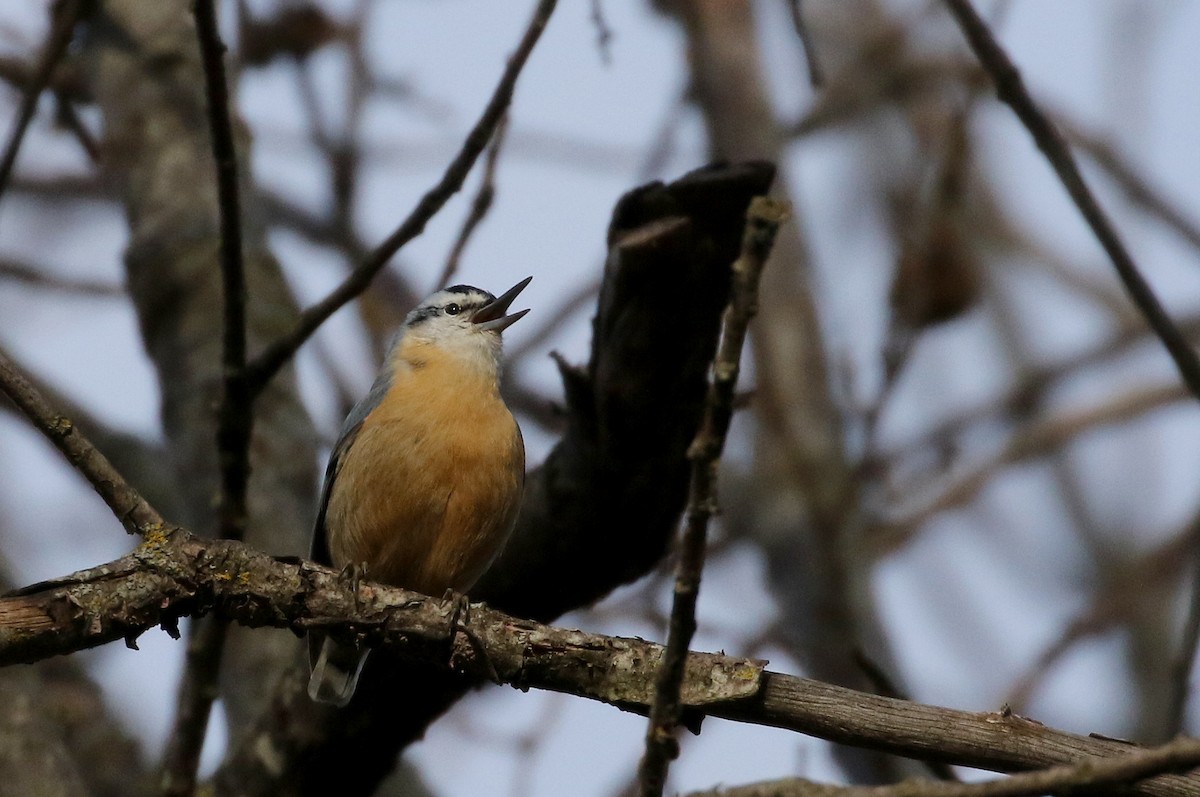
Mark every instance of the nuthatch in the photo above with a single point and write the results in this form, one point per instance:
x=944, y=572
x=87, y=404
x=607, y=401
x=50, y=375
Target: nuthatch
x=424, y=482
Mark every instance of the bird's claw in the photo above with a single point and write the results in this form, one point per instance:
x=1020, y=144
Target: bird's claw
x=354, y=573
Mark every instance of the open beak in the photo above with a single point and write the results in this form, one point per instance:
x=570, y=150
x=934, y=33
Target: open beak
x=491, y=316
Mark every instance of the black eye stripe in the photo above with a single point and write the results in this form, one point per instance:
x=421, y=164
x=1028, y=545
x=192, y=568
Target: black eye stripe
x=433, y=310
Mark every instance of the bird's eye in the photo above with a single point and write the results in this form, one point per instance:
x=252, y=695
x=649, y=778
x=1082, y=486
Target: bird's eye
x=453, y=309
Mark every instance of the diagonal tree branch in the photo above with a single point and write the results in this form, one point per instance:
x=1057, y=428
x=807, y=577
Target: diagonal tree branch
x=27, y=274
x=1137, y=187
x=1175, y=756
x=1011, y=90
x=174, y=573
x=137, y=516
x=66, y=16
x=480, y=206
x=265, y=365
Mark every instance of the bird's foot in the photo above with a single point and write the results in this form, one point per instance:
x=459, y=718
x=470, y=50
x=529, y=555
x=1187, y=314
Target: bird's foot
x=460, y=610
x=354, y=574
x=460, y=620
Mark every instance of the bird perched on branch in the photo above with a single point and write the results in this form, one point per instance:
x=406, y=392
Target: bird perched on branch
x=424, y=482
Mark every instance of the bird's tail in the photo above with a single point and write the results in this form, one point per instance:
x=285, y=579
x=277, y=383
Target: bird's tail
x=335, y=670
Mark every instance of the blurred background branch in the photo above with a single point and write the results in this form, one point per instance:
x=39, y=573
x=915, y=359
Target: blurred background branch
x=960, y=453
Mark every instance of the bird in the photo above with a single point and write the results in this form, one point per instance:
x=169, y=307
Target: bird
x=425, y=480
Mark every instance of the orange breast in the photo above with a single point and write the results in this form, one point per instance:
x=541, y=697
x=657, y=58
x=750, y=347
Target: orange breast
x=428, y=492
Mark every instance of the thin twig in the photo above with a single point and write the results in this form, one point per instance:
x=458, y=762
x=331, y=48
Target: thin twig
x=1127, y=589
x=962, y=483
x=816, y=76
x=604, y=34
x=479, y=207
x=1136, y=187
x=68, y=117
x=763, y=220
x=135, y=514
x=267, y=364
x=33, y=276
x=235, y=419
x=1174, y=756
x=66, y=15
x=1011, y=90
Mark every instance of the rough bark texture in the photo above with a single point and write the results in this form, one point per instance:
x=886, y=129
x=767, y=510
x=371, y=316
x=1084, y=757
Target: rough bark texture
x=176, y=573
x=601, y=510
x=145, y=72
x=57, y=737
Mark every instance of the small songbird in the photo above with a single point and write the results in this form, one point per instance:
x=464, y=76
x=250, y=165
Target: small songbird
x=424, y=483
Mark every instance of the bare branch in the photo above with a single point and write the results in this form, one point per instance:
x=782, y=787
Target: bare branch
x=479, y=207
x=266, y=364
x=137, y=516
x=1011, y=90
x=234, y=415
x=36, y=277
x=175, y=573
x=763, y=220
x=138, y=459
x=66, y=15
x=1136, y=187
x=1175, y=756
x=235, y=418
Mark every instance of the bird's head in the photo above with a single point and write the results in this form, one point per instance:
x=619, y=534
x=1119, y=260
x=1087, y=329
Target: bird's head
x=464, y=320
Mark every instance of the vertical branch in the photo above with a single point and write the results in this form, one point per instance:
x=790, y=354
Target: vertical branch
x=763, y=220
x=234, y=416
x=67, y=14
x=1011, y=90
x=234, y=419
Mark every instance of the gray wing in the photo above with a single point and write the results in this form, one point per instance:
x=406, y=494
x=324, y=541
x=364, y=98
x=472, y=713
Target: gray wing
x=350, y=428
